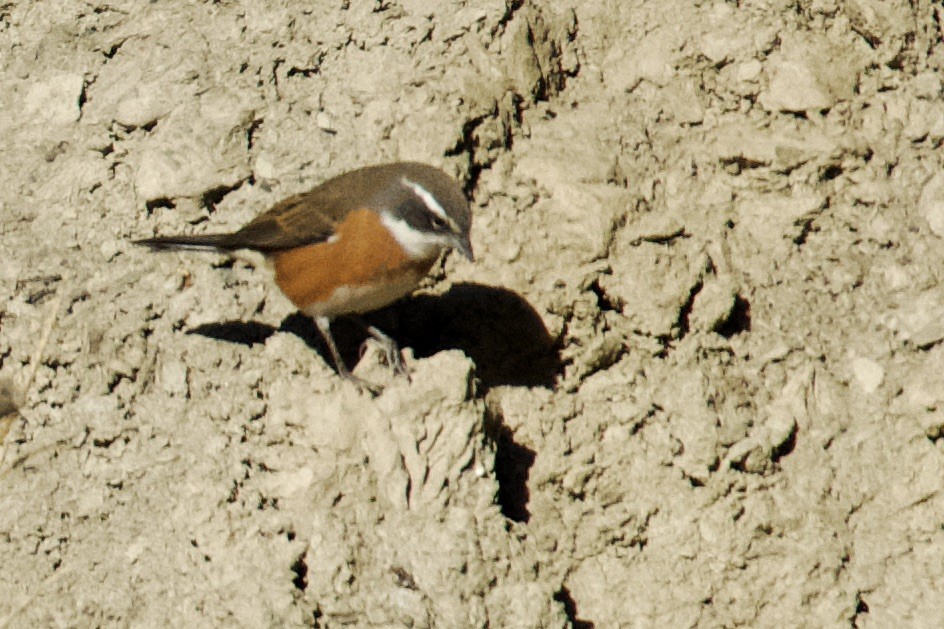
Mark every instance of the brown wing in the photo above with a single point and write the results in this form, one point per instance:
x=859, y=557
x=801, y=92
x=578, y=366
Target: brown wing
x=312, y=216
x=302, y=219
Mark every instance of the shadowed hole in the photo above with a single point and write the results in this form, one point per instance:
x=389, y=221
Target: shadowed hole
x=300, y=568
x=738, y=321
x=512, y=468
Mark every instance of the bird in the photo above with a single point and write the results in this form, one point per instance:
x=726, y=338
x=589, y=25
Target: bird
x=355, y=243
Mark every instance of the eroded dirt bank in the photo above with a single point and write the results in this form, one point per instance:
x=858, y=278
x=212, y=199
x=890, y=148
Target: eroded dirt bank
x=693, y=378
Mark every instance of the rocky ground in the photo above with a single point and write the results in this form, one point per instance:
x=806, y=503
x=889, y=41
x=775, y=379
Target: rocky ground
x=692, y=380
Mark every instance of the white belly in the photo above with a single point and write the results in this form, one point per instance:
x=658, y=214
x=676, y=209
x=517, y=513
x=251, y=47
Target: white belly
x=361, y=299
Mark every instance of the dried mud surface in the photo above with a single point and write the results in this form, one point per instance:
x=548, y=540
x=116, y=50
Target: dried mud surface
x=693, y=380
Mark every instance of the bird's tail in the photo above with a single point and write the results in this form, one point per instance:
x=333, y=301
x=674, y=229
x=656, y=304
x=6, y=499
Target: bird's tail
x=195, y=242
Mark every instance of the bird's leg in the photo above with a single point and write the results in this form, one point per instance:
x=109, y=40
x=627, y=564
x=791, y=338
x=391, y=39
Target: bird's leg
x=324, y=326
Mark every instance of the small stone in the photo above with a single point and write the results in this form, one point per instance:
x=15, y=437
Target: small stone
x=109, y=249
x=868, y=374
x=324, y=122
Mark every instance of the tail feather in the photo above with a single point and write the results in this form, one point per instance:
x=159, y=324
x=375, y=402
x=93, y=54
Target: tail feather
x=196, y=242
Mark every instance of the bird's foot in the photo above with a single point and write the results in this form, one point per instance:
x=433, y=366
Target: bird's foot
x=391, y=352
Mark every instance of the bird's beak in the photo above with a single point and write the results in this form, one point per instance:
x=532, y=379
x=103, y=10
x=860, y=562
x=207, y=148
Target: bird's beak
x=463, y=245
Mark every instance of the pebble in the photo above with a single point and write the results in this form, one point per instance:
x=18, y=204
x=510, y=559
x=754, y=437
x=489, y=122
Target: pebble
x=868, y=374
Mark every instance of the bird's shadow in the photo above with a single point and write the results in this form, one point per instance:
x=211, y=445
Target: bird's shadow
x=497, y=328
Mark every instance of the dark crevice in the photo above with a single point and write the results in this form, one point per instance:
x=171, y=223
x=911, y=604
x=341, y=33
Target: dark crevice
x=466, y=146
x=861, y=609
x=739, y=320
x=685, y=312
x=861, y=606
x=305, y=72
x=662, y=239
x=212, y=198
x=512, y=467
x=784, y=448
x=38, y=296
x=403, y=579
x=872, y=40
x=742, y=163
x=83, y=95
x=251, y=132
x=233, y=495
x=276, y=64
x=662, y=339
x=104, y=442
x=831, y=172
x=806, y=228
x=300, y=568
x=111, y=52
x=469, y=140
x=39, y=287
x=511, y=9
x=163, y=203
x=564, y=597
x=604, y=301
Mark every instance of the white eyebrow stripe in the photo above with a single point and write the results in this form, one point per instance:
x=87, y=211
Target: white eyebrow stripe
x=427, y=198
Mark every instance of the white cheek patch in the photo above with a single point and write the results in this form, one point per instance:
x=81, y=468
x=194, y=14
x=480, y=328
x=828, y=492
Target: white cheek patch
x=420, y=245
x=428, y=200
